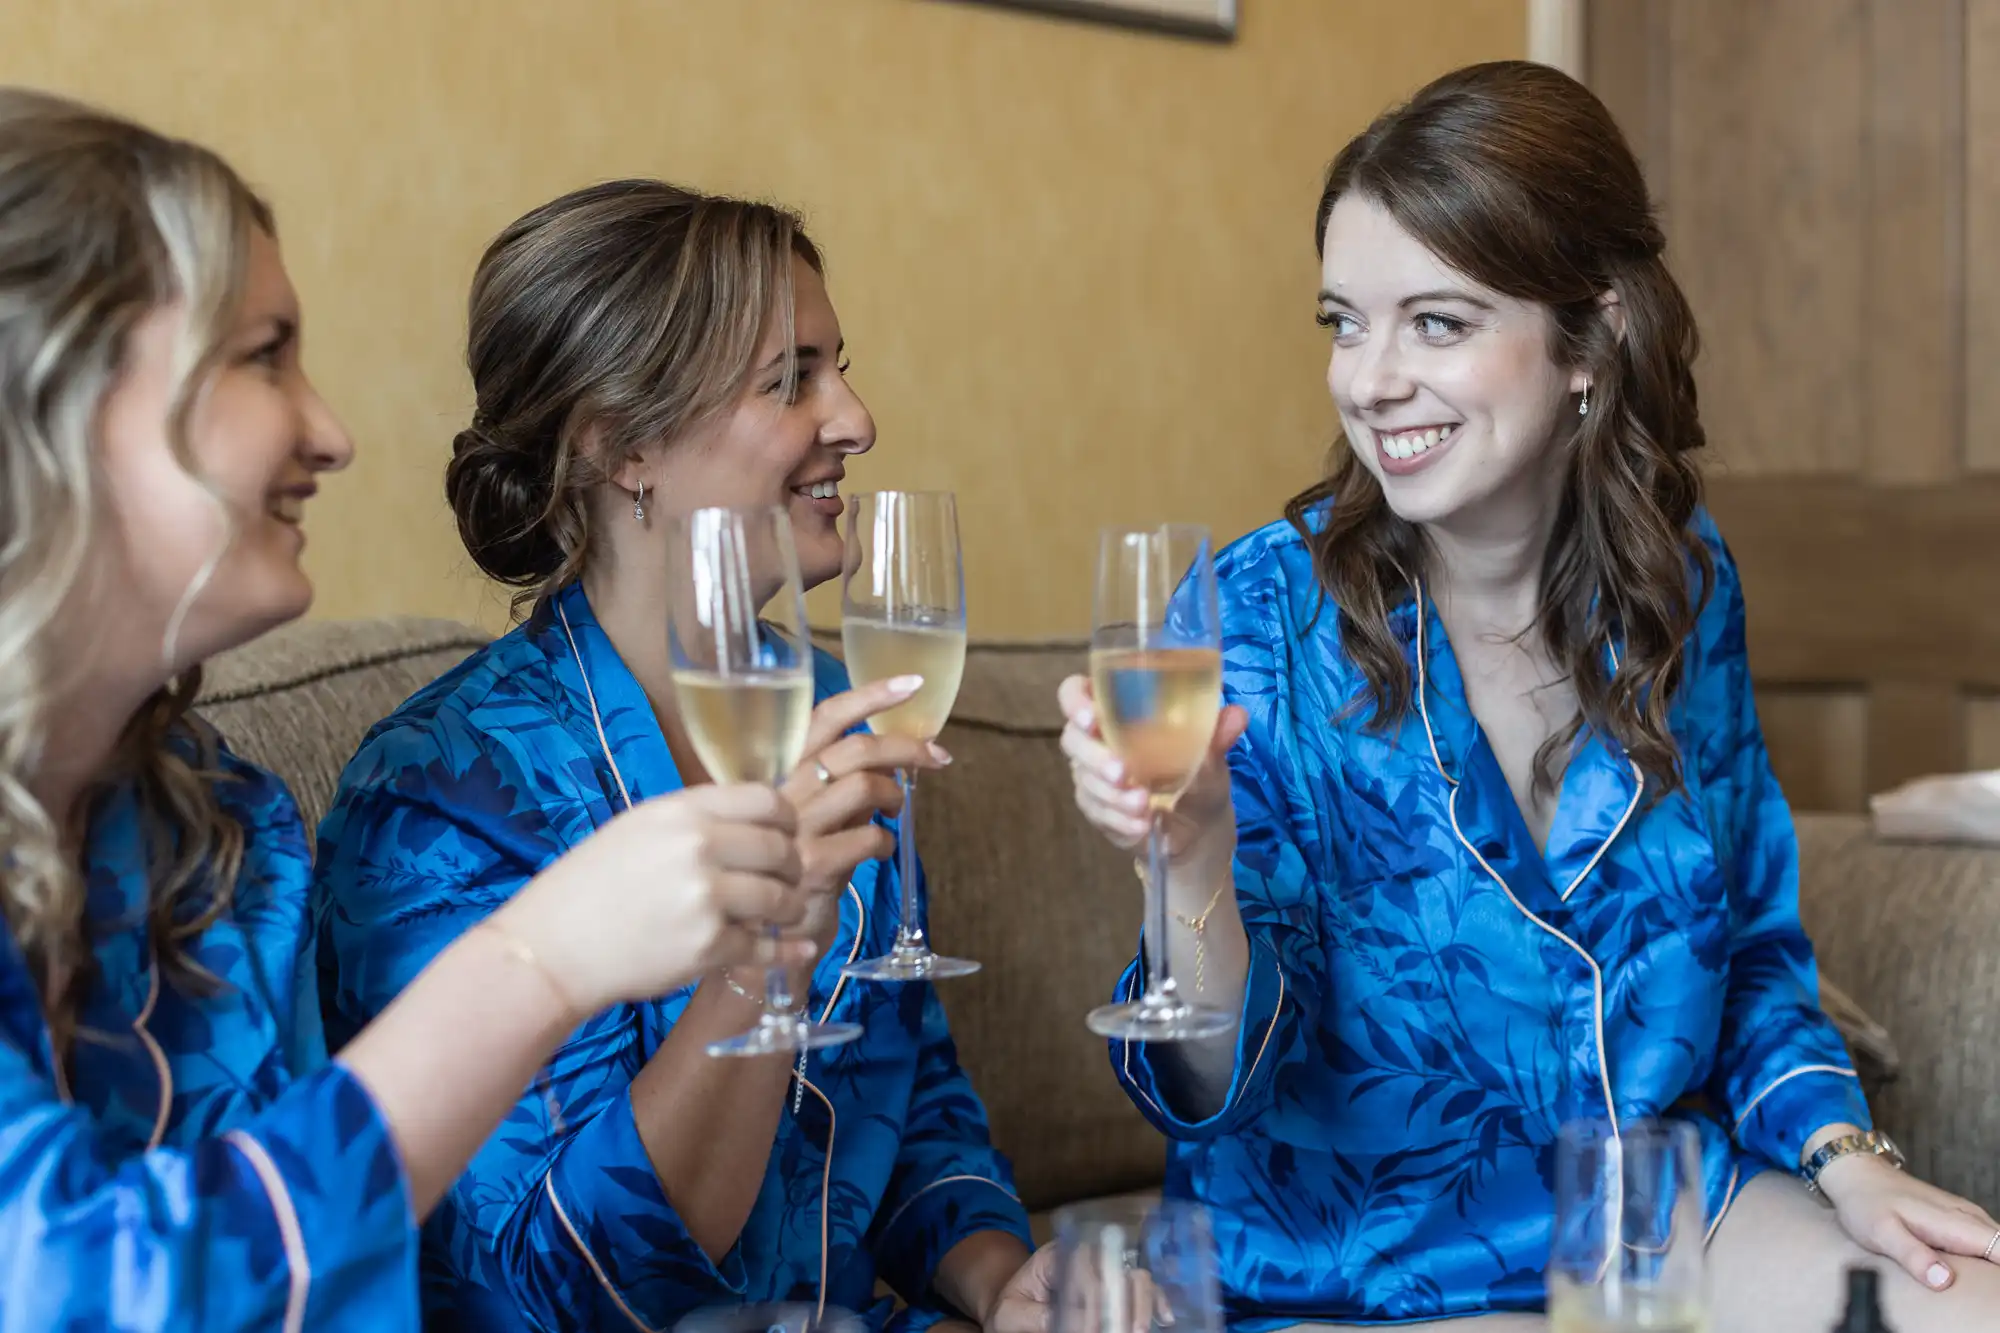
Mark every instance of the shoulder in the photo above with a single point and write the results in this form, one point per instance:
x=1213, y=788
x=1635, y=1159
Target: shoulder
x=1719, y=628
x=484, y=743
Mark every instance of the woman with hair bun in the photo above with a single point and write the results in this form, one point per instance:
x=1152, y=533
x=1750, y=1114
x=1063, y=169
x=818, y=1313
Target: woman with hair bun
x=637, y=348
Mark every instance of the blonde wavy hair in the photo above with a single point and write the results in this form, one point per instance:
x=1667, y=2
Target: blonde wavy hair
x=102, y=222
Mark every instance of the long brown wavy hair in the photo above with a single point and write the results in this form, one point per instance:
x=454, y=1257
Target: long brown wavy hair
x=102, y=222
x=1515, y=175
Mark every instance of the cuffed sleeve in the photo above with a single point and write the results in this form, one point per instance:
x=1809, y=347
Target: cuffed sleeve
x=948, y=1182
x=1781, y=1069
x=298, y=1220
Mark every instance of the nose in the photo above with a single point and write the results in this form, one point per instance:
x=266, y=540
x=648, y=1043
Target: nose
x=1373, y=372
x=324, y=444
x=848, y=428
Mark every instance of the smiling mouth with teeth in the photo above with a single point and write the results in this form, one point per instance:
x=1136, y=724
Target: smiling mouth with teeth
x=820, y=490
x=1410, y=443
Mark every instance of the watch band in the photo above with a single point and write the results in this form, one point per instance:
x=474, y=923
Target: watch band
x=1874, y=1142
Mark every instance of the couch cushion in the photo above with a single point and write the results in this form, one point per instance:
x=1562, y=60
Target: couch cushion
x=299, y=700
x=1912, y=933
x=1020, y=882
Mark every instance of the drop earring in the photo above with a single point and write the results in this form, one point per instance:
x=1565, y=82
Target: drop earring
x=1583, y=404
x=639, y=503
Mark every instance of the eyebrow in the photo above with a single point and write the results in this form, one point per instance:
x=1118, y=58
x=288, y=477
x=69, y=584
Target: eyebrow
x=1416, y=298
x=803, y=352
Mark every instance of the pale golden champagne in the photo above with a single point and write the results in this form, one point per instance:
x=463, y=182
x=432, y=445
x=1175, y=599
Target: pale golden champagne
x=745, y=728
x=1157, y=709
x=878, y=650
x=1578, y=1309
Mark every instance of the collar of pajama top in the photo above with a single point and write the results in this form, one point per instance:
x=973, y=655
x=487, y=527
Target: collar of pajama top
x=1430, y=996
x=200, y=1166
x=483, y=778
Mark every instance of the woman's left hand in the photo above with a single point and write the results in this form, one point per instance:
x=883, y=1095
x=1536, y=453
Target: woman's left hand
x=1901, y=1218
x=1023, y=1304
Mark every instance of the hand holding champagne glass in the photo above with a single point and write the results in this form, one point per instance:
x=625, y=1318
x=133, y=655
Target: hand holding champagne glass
x=1156, y=681
x=903, y=614
x=742, y=665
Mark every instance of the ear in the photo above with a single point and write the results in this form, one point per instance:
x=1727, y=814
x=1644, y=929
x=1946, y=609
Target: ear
x=1613, y=311
x=624, y=470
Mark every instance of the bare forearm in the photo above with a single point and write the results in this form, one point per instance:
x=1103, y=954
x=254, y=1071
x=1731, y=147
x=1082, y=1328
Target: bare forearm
x=708, y=1124
x=453, y=1053
x=1211, y=966
x=975, y=1271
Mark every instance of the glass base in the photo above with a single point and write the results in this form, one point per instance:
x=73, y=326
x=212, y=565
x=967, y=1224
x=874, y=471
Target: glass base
x=783, y=1036
x=1160, y=1020
x=901, y=964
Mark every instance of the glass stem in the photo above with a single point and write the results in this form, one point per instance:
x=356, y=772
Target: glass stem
x=1160, y=986
x=777, y=985
x=909, y=935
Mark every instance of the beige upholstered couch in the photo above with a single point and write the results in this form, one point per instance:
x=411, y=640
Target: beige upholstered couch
x=1911, y=933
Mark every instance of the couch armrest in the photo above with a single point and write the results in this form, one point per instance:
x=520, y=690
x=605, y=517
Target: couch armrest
x=1912, y=933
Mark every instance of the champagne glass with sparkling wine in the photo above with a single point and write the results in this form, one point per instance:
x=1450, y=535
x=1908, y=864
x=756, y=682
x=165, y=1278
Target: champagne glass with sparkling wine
x=742, y=663
x=1156, y=674
x=902, y=613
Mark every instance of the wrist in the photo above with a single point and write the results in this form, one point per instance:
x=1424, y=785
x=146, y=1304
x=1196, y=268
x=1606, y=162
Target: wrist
x=514, y=940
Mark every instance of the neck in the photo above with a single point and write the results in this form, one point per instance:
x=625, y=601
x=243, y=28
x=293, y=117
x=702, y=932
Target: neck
x=629, y=599
x=82, y=740
x=1492, y=573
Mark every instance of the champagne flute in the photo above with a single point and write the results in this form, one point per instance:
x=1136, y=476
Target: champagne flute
x=1156, y=673
x=1627, y=1255
x=902, y=612
x=1132, y=1266
x=742, y=664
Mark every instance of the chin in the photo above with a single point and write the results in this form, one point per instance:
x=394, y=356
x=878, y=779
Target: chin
x=819, y=562
x=241, y=615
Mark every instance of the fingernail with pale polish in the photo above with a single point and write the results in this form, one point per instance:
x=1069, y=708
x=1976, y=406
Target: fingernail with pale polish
x=1939, y=1276
x=906, y=684
x=1086, y=719
x=939, y=753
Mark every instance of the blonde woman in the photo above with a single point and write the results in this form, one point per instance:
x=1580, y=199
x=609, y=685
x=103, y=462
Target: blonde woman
x=174, y=1152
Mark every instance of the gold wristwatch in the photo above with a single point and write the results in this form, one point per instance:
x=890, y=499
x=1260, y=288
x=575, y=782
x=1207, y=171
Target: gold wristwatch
x=1875, y=1143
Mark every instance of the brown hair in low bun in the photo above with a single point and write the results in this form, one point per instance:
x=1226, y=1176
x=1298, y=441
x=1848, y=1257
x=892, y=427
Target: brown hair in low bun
x=633, y=307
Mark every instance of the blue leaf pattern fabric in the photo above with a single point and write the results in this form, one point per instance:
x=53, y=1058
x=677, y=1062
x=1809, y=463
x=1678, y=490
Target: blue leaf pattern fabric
x=205, y=1169
x=452, y=804
x=1430, y=996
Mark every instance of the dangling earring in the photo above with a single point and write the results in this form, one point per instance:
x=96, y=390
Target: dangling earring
x=1583, y=404
x=639, y=503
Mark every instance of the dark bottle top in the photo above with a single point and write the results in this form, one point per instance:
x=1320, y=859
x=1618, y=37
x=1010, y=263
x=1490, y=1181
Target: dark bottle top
x=1864, y=1306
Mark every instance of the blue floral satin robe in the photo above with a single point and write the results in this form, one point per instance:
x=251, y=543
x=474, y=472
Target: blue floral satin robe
x=201, y=1167
x=1430, y=997
x=471, y=787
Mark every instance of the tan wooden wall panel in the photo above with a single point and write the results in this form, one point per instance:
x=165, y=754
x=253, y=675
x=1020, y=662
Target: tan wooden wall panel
x=1982, y=732
x=1819, y=745
x=1981, y=160
x=1767, y=168
x=1913, y=346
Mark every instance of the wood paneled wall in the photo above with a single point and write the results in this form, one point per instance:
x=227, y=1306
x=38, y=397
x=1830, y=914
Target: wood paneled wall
x=1829, y=173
